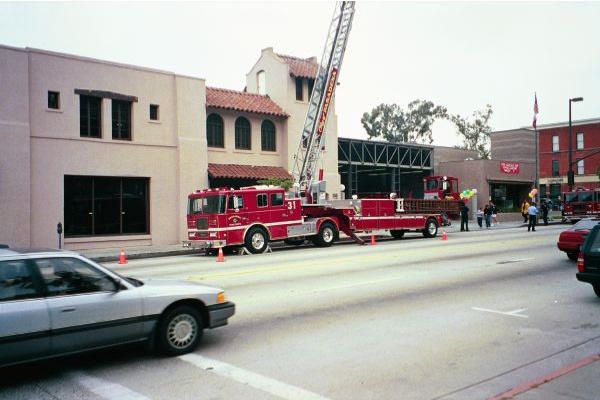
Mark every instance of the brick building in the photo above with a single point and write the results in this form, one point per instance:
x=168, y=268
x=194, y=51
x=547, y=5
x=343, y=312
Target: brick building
x=554, y=156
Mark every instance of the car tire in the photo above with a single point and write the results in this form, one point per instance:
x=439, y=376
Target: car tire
x=179, y=331
x=327, y=235
x=596, y=287
x=573, y=256
x=256, y=240
x=431, y=228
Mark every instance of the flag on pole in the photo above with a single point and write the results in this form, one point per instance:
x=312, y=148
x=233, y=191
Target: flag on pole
x=535, y=112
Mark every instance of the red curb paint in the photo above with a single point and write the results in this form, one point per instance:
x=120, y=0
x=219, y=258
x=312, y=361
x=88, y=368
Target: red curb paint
x=509, y=394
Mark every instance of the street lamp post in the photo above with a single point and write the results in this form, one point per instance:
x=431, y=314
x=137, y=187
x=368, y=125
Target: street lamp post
x=570, y=174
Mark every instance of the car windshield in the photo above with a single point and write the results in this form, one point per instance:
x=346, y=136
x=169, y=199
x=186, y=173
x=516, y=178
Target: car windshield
x=207, y=204
x=585, y=224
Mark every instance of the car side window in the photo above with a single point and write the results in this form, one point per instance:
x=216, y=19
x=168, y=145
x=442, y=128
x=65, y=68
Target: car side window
x=595, y=245
x=65, y=276
x=16, y=282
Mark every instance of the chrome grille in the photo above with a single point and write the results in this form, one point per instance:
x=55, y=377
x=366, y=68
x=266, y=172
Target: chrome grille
x=202, y=223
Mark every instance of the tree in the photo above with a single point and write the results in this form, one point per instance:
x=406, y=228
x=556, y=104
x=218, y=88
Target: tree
x=284, y=183
x=393, y=124
x=476, y=133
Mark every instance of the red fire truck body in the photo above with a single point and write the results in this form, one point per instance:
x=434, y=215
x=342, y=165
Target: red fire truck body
x=581, y=203
x=252, y=217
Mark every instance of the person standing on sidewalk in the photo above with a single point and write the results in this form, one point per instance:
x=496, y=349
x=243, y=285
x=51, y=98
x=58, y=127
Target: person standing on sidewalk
x=544, y=210
x=480, y=217
x=487, y=214
x=464, y=217
x=494, y=211
x=524, y=210
x=533, y=213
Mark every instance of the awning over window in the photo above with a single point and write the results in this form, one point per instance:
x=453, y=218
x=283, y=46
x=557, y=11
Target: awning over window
x=237, y=171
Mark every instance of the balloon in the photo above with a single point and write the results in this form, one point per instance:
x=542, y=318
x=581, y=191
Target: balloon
x=530, y=195
x=474, y=191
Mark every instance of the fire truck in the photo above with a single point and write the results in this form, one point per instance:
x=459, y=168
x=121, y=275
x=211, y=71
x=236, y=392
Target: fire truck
x=581, y=203
x=251, y=217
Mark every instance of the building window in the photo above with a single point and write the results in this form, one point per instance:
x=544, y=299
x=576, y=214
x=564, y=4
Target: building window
x=242, y=134
x=580, y=141
x=555, y=191
x=214, y=131
x=154, y=115
x=555, y=171
x=53, y=100
x=580, y=167
x=267, y=135
x=299, y=91
x=311, y=86
x=96, y=206
x=261, y=81
x=121, y=120
x=90, y=116
x=555, y=143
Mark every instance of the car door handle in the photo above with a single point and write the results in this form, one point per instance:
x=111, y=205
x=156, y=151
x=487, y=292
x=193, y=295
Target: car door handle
x=68, y=309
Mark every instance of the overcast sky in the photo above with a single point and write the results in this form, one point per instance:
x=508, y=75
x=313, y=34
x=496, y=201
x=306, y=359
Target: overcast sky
x=462, y=55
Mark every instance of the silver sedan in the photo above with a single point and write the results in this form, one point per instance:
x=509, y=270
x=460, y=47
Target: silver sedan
x=58, y=302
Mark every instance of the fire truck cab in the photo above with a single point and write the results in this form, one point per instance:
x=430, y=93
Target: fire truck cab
x=441, y=187
x=250, y=216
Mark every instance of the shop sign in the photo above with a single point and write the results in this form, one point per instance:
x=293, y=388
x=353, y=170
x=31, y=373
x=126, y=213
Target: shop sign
x=509, y=167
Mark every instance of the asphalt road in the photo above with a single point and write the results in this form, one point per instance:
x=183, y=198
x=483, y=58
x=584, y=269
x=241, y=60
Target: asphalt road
x=465, y=318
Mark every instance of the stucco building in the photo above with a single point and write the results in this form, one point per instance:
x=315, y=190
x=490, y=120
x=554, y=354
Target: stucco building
x=110, y=151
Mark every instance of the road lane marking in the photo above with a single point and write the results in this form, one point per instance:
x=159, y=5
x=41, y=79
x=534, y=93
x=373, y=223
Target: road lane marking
x=269, y=385
x=106, y=389
x=514, y=313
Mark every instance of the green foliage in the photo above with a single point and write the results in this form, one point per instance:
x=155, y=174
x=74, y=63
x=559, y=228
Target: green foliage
x=284, y=183
x=475, y=133
x=395, y=125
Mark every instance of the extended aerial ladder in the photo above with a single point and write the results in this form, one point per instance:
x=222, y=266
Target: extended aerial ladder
x=312, y=143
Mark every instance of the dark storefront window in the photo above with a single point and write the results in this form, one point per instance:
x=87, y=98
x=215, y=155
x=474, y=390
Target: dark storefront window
x=105, y=206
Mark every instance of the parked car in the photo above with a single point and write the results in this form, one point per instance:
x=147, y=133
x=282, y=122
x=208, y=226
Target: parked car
x=56, y=302
x=570, y=239
x=588, y=263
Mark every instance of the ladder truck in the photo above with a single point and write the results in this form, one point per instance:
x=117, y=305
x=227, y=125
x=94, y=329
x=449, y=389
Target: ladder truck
x=252, y=217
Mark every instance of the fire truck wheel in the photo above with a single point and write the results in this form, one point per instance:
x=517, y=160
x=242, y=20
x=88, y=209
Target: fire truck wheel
x=397, y=233
x=431, y=228
x=256, y=240
x=327, y=235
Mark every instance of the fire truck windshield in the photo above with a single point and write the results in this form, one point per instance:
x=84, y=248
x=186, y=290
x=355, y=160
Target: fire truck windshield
x=207, y=204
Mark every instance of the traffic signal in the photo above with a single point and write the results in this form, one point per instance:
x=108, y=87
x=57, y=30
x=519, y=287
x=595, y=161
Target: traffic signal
x=571, y=178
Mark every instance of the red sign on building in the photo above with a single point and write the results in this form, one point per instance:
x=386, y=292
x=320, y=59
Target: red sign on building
x=509, y=167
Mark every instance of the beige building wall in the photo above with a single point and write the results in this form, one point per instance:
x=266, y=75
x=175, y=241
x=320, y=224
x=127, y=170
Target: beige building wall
x=513, y=145
x=169, y=152
x=15, y=165
x=280, y=87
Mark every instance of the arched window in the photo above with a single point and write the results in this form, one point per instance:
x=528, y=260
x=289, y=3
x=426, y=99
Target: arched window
x=261, y=80
x=214, y=131
x=242, y=134
x=267, y=136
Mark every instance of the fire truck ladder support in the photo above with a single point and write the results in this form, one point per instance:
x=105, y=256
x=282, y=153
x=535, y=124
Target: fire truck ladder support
x=310, y=148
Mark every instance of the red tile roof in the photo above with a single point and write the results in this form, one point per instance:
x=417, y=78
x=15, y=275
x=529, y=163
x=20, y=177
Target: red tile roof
x=242, y=101
x=247, y=171
x=301, y=67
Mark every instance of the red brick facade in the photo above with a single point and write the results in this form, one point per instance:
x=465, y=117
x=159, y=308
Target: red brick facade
x=554, y=156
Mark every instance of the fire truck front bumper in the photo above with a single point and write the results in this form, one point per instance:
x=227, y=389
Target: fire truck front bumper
x=204, y=244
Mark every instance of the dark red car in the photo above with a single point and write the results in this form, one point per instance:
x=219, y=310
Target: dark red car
x=570, y=239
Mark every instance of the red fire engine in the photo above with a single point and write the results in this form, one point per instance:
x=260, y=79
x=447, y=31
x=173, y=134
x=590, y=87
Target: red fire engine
x=254, y=216
x=581, y=203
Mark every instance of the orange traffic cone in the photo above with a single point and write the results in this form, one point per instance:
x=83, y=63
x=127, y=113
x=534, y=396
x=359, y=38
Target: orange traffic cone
x=122, y=259
x=444, y=237
x=372, y=239
x=220, y=257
